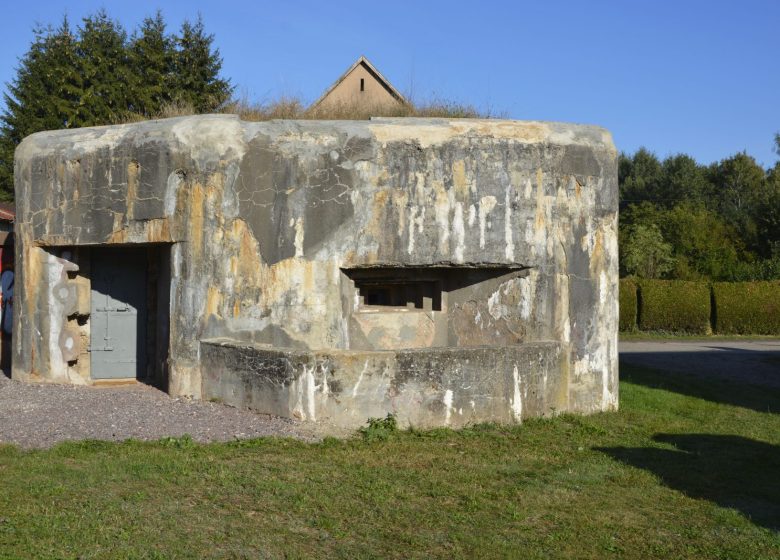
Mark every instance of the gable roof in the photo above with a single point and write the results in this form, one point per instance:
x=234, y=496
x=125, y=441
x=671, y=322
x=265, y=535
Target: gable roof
x=373, y=71
x=7, y=211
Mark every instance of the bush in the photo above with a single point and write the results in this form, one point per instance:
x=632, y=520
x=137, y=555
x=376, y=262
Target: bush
x=747, y=307
x=379, y=429
x=628, y=304
x=674, y=306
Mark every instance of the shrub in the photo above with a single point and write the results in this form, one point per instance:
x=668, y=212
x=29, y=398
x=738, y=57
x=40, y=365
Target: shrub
x=628, y=304
x=379, y=429
x=674, y=306
x=747, y=307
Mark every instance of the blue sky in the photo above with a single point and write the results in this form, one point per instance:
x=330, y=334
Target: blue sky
x=700, y=77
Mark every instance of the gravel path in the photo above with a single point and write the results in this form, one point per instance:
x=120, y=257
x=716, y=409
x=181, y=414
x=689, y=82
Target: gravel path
x=36, y=416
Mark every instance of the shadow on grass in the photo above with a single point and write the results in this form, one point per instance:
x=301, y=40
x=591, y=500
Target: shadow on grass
x=716, y=389
x=731, y=471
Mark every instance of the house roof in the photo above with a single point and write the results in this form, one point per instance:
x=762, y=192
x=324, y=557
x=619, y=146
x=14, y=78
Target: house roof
x=7, y=211
x=373, y=71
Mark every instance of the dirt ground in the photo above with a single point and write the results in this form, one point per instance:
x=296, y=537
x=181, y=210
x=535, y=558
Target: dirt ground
x=36, y=416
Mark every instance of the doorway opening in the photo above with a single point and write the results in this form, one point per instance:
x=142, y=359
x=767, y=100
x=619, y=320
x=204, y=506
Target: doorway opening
x=129, y=315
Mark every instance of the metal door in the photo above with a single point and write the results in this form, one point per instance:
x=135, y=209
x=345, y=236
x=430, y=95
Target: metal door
x=118, y=315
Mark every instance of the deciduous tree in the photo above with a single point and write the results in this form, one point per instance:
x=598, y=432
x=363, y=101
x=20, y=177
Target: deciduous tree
x=645, y=253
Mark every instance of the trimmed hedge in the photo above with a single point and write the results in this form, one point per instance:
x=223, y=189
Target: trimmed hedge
x=747, y=307
x=628, y=304
x=675, y=306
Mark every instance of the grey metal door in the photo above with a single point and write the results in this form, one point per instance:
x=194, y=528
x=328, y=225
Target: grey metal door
x=118, y=315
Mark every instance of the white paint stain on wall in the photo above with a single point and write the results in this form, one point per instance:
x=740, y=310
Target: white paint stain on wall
x=495, y=308
x=299, y=237
x=509, y=251
x=442, y=217
x=529, y=231
x=325, y=387
x=420, y=220
x=400, y=200
x=517, y=400
x=529, y=188
x=304, y=389
x=309, y=381
x=458, y=232
x=472, y=215
x=412, y=218
x=486, y=205
x=448, y=396
x=360, y=379
x=171, y=191
x=55, y=271
x=211, y=138
x=525, y=298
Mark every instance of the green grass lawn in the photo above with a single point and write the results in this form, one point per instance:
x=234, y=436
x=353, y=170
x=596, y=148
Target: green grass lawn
x=686, y=469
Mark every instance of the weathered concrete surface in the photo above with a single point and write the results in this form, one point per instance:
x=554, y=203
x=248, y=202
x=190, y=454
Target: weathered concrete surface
x=269, y=231
x=424, y=388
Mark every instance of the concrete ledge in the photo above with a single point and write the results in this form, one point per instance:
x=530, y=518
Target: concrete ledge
x=423, y=387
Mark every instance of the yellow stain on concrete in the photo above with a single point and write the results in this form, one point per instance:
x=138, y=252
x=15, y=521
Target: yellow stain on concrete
x=214, y=192
x=248, y=255
x=119, y=232
x=435, y=134
x=380, y=201
x=459, y=180
x=158, y=231
x=400, y=200
x=425, y=135
x=245, y=264
x=527, y=132
x=196, y=219
x=133, y=170
x=597, y=257
x=33, y=275
x=539, y=223
x=213, y=301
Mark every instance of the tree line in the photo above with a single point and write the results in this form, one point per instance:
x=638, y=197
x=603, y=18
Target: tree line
x=683, y=220
x=679, y=219
x=97, y=74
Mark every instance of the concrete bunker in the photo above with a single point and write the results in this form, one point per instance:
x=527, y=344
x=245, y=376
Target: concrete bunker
x=447, y=271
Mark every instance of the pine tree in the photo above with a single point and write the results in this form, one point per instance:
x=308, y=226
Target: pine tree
x=152, y=55
x=44, y=94
x=197, y=66
x=96, y=76
x=105, y=69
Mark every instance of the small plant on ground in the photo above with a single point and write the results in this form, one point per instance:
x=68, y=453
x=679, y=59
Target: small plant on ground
x=379, y=429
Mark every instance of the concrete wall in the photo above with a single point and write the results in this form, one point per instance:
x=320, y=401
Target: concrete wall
x=266, y=225
x=425, y=388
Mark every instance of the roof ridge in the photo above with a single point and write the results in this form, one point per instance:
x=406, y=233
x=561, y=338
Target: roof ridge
x=373, y=70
